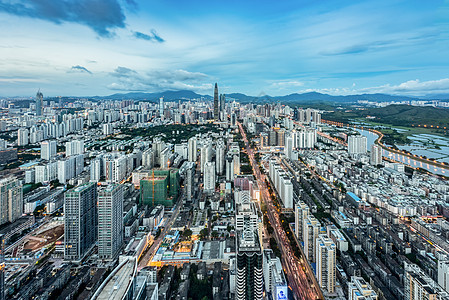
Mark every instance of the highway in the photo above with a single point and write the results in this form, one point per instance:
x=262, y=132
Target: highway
x=302, y=286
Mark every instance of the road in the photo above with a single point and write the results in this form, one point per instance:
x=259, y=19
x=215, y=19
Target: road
x=146, y=259
x=299, y=281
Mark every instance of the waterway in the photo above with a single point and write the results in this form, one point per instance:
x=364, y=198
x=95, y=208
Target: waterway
x=371, y=138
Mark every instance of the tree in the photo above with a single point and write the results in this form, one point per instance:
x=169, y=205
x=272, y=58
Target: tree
x=187, y=233
x=204, y=233
x=215, y=234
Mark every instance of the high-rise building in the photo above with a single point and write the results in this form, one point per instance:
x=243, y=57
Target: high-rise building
x=108, y=129
x=39, y=103
x=189, y=180
x=161, y=107
x=306, y=138
x=95, y=170
x=249, y=284
x=11, y=200
x=2, y=267
x=80, y=221
x=310, y=232
x=359, y=289
x=216, y=104
x=192, y=149
x=326, y=263
x=274, y=278
x=74, y=147
x=110, y=220
x=419, y=286
x=22, y=137
x=48, y=149
x=301, y=214
x=357, y=144
x=209, y=177
x=288, y=149
x=220, y=157
x=376, y=155
x=223, y=115
x=443, y=274
x=206, y=155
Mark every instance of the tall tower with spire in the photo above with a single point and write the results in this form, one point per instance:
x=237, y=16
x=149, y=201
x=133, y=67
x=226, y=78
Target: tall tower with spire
x=216, y=102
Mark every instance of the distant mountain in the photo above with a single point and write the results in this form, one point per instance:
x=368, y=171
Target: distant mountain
x=291, y=98
x=168, y=95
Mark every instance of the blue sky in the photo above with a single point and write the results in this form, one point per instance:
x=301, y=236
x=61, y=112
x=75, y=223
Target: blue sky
x=101, y=47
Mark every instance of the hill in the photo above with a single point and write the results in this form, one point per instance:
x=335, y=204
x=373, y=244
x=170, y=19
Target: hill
x=397, y=115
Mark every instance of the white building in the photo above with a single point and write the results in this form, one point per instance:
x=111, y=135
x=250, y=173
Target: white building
x=357, y=144
x=192, y=149
x=48, y=149
x=443, y=274
x=220, y=157
x=209, y=177
x=74, y=148
x=359, y=289
x=326, y=263
x=301, y=214
x=22, y=137
x=376, y=155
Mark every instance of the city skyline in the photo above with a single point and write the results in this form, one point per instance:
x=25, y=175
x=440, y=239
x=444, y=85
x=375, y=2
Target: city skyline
x=104, y=47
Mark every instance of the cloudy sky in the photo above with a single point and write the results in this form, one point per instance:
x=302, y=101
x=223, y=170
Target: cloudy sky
x=101, y=47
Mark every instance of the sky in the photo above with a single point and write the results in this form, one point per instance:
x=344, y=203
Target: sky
x=102, y=47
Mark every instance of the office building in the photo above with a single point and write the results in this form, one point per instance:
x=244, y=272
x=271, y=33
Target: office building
x=357, y=144
x=80, y=221
x=326, y=263
x=376, y=155
x=359, y=289
x=48, y=149
x=209, y=177
x=110, y=220
x=216, y=104
x=249, y=284
x=39, y=103
x=11, y=200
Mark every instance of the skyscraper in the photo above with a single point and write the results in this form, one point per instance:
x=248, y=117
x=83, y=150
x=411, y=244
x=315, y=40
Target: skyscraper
x=11, y=200
x=39, y=103
x=81, y=220
x=249, y=265
x=110, y=220
x=216, y=104
x=222, y=107
x=22, y=137
x=74, y=147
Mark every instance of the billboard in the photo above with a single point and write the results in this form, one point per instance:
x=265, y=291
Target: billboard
x=281, y=292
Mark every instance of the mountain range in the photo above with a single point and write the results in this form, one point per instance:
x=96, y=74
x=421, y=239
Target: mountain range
x=305, y=97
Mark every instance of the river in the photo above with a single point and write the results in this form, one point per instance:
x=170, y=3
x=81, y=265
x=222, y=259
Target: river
x=371, y=138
